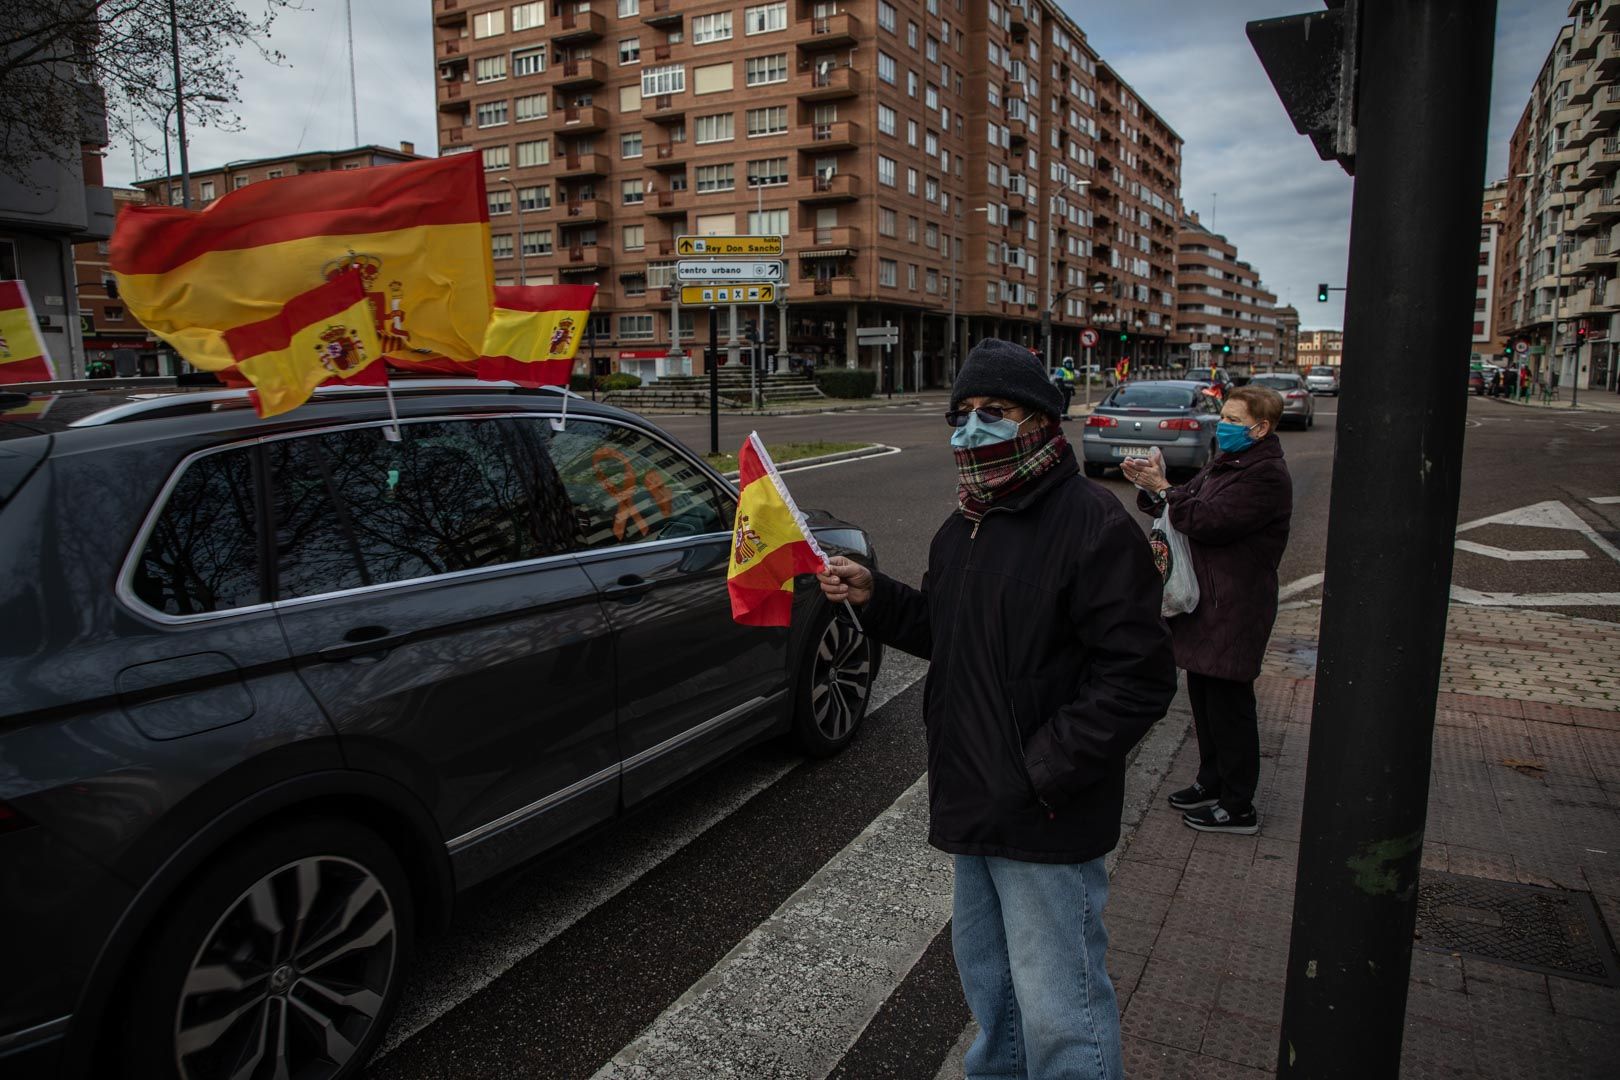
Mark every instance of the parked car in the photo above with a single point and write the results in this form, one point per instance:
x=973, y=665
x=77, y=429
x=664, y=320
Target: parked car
x=1299, y=408
x=272, y=691
x=1217, y=377
x=1323, y=379
x=1174, y=415
x=1476, y=381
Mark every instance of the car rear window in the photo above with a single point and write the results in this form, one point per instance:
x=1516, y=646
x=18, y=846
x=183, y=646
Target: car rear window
x=1324, y=371
x=1276, y=382
x=1149, y=396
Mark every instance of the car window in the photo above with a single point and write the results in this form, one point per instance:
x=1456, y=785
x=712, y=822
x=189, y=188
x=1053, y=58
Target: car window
x=1149, y=396
x=353, y=509
x=202, y=553
x=1276, y=382
x=627, y=486
x=1322, y=371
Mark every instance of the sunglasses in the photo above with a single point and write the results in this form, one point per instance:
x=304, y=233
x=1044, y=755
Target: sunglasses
x=988, y=413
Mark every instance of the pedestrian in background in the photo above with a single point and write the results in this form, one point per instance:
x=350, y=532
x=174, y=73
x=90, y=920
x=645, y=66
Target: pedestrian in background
x=1039, y=614
x=1064, y=379
x=1235, y=515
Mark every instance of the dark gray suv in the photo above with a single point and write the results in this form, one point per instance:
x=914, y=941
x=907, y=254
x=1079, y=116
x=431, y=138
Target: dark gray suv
x=273, y=691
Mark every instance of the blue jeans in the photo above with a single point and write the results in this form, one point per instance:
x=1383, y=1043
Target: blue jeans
x=1031, y=950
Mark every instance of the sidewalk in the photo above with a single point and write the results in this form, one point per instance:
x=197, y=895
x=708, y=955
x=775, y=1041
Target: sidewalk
x=1526, y=790
x=1593, y=400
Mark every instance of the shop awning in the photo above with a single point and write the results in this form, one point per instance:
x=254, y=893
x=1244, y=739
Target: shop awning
x=825, y=253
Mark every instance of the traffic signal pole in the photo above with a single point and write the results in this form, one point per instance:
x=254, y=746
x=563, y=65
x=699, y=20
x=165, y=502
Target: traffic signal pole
x=1418, y=153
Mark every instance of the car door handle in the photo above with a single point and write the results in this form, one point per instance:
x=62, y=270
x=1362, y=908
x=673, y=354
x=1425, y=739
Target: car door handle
x=628, y=587
x=366, y=643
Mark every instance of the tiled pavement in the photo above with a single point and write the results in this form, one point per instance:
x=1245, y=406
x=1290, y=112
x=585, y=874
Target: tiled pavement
x=1526, y=788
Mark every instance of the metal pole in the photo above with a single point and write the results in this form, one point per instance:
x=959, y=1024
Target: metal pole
x=714, y=379
x=1555, y=361
x=517, y=209
x=1051, y=299
x=591, y=372
x=1424, y=95
x=782, y=329
x=168, y=170
x=950, y=364
x=180, y=109
x=354, y=97
x=1088, y=379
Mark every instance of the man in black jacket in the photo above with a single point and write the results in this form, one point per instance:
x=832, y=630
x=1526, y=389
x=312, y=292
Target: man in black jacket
x=1039, y=613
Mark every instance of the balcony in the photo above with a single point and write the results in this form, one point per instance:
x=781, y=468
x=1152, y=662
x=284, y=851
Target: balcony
x=1602, y=157
x=830, y=83
x=585, y=211
x=667, y=157
x=1569, y=154
x=1585, y=41
x=582, y=119
x=840, y=135
x=1609, y=300
x=839, y=187
x=1606, y=56
x=661, y=53
x=669, y=203
x=580, y=73
x=450, y=48
x=595, y=257
x=831, y=32
x=449, y=12
x=1594, y=251
x=664, y=109
x=1604, y=204
x=1018, y=129
x=665, y=13
x=837, y=237
x=835, y=288
x=1605, y=107
x=1584, y=84
x=583, y=165
x=579, y=26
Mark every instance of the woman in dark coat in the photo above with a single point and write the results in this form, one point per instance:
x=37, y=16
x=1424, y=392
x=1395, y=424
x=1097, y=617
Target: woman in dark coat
x=1235, y=515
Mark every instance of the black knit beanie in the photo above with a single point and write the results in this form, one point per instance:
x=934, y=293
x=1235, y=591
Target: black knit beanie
x=1001, y=369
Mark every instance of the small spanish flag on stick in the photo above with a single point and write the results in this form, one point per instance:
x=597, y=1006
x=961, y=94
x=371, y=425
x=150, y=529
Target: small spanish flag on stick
x=534, y=332
x=326, y=333
x=771, y=543
x=23, y=357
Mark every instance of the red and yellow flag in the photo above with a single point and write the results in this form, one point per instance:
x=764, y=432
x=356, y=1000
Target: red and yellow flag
x=325, y=333
x=534, y=333
x=770, y=543
x=417, y=233
x=22, y=351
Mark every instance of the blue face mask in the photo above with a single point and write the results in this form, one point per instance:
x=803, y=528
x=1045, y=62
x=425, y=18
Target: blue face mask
x=977, y=432
x=1232, y=438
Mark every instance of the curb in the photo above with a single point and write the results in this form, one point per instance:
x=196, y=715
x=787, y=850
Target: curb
x=1516, y=403
x=872, y=450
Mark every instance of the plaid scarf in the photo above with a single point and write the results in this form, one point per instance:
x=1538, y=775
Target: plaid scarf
x=986, y=474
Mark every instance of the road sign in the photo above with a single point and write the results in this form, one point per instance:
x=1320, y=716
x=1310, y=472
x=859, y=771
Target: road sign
x=1199, y=346
x=1521, y=347
x=1088, y=338
x=702, y=295
x=728, y=245
x=755, y=270
x=877, y=335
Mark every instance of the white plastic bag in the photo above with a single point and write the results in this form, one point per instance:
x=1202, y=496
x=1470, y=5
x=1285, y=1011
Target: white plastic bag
x=1173, y=556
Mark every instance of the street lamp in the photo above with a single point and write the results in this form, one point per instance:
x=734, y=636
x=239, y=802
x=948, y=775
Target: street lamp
x=1077, y=186
x=517, y=209
x=168, y=170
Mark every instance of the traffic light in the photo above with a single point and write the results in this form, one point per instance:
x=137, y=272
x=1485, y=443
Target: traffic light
x=1123, y=336
x=751, y=331
x=1322, y=293
x=1225, y=348
x=1580, y=332
x=111, y=286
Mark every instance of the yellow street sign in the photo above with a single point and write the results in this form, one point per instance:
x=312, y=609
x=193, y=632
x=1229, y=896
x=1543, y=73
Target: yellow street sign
x=701, y=295
x=728, y=245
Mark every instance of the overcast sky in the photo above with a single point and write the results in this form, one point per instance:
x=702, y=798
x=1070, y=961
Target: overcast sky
x=1244, y=169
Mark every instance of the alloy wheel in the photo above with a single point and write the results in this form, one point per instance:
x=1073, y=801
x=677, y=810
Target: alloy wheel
x=292, y=977
x=841, y=677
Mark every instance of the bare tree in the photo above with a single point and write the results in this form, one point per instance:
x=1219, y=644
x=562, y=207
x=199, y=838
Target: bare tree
x=58, y=57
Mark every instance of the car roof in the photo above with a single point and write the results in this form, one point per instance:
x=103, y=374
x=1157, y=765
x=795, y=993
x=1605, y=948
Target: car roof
x=1190, y=384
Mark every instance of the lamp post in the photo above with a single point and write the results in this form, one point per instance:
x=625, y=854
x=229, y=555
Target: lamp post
x=1076, y=186
x=976, y=210
x=168, y=170
x=517, y=209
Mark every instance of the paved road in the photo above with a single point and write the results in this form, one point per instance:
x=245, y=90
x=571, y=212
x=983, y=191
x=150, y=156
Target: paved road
x=692, y=939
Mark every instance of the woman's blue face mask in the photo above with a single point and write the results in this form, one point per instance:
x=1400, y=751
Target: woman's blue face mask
x=1233, y=437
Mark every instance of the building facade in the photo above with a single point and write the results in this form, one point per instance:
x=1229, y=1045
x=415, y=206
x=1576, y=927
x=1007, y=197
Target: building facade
x=1489, y=342
x=112, y=336
x=1320, y=348
x=925, y=161
x=1224, y=315
x=209, y=183
x=1558, y=257
x=1287, y=321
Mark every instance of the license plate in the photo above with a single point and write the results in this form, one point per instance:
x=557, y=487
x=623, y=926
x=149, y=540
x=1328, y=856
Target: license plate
x=1132, y=451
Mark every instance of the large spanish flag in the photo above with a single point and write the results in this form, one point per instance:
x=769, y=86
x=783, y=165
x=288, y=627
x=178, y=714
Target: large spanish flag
x=770, y=543
x=323, y=334
x=534, y=333
x=22, y=351
x=418, y=234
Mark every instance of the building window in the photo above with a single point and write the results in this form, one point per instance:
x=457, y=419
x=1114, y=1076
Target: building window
x=113, y=312
x=886, y=120
x=769, y=172
x=528, y=16
x=767, y=222
x=528, y=62
x=635, y=327
x=765, y=18
x=629, y=7
x=768, y=121
x=911, y=133
x=532, y=153
x=530, y=107
x=716, y=178
x=630, y=51
x=886, y=68
x=500, y=202
x=886, y=15
x=669, y=79
x=490, y=69
x=713, y=129
x=273, y=174
x=911, y=276
x=911, y=229
x=497, y=157
x=886, y=168
x=537, y=242
x=636, y=284
x=237, y=183
x=764, y=70
x=537, y=197
x=489, y=24
x=631, y=192
x=635, y=236
x=500, y=247
x=707, y=29
x=888, y=273
x=205, y=190
x=630, y=144
x=886, y=221
x=492, y=113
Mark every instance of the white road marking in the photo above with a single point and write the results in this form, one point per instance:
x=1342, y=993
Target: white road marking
x=885, y=451
x=1518, y=556
x=1304, y=584
x=1605, y=500
x=505, y=929
x=1551, y=514
x=1571, y=599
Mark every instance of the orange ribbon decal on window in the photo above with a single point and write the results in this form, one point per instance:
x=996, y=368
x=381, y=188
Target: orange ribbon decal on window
x=623, y=491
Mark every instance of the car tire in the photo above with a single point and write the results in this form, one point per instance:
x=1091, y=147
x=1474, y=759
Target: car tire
x=322, y=989
x=1094, y=469
x=1310, y=421
x=835, y=682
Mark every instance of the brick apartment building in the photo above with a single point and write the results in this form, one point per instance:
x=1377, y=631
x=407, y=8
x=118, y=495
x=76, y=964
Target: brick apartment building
x=1221, y=304
x=208, y=184
x=1320, y=347
x=108, y=328
x=1489, y=340
x=912, y=153
x=1287, y=320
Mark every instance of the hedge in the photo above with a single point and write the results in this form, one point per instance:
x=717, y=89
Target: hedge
x=618, y=380
x=845, y=383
